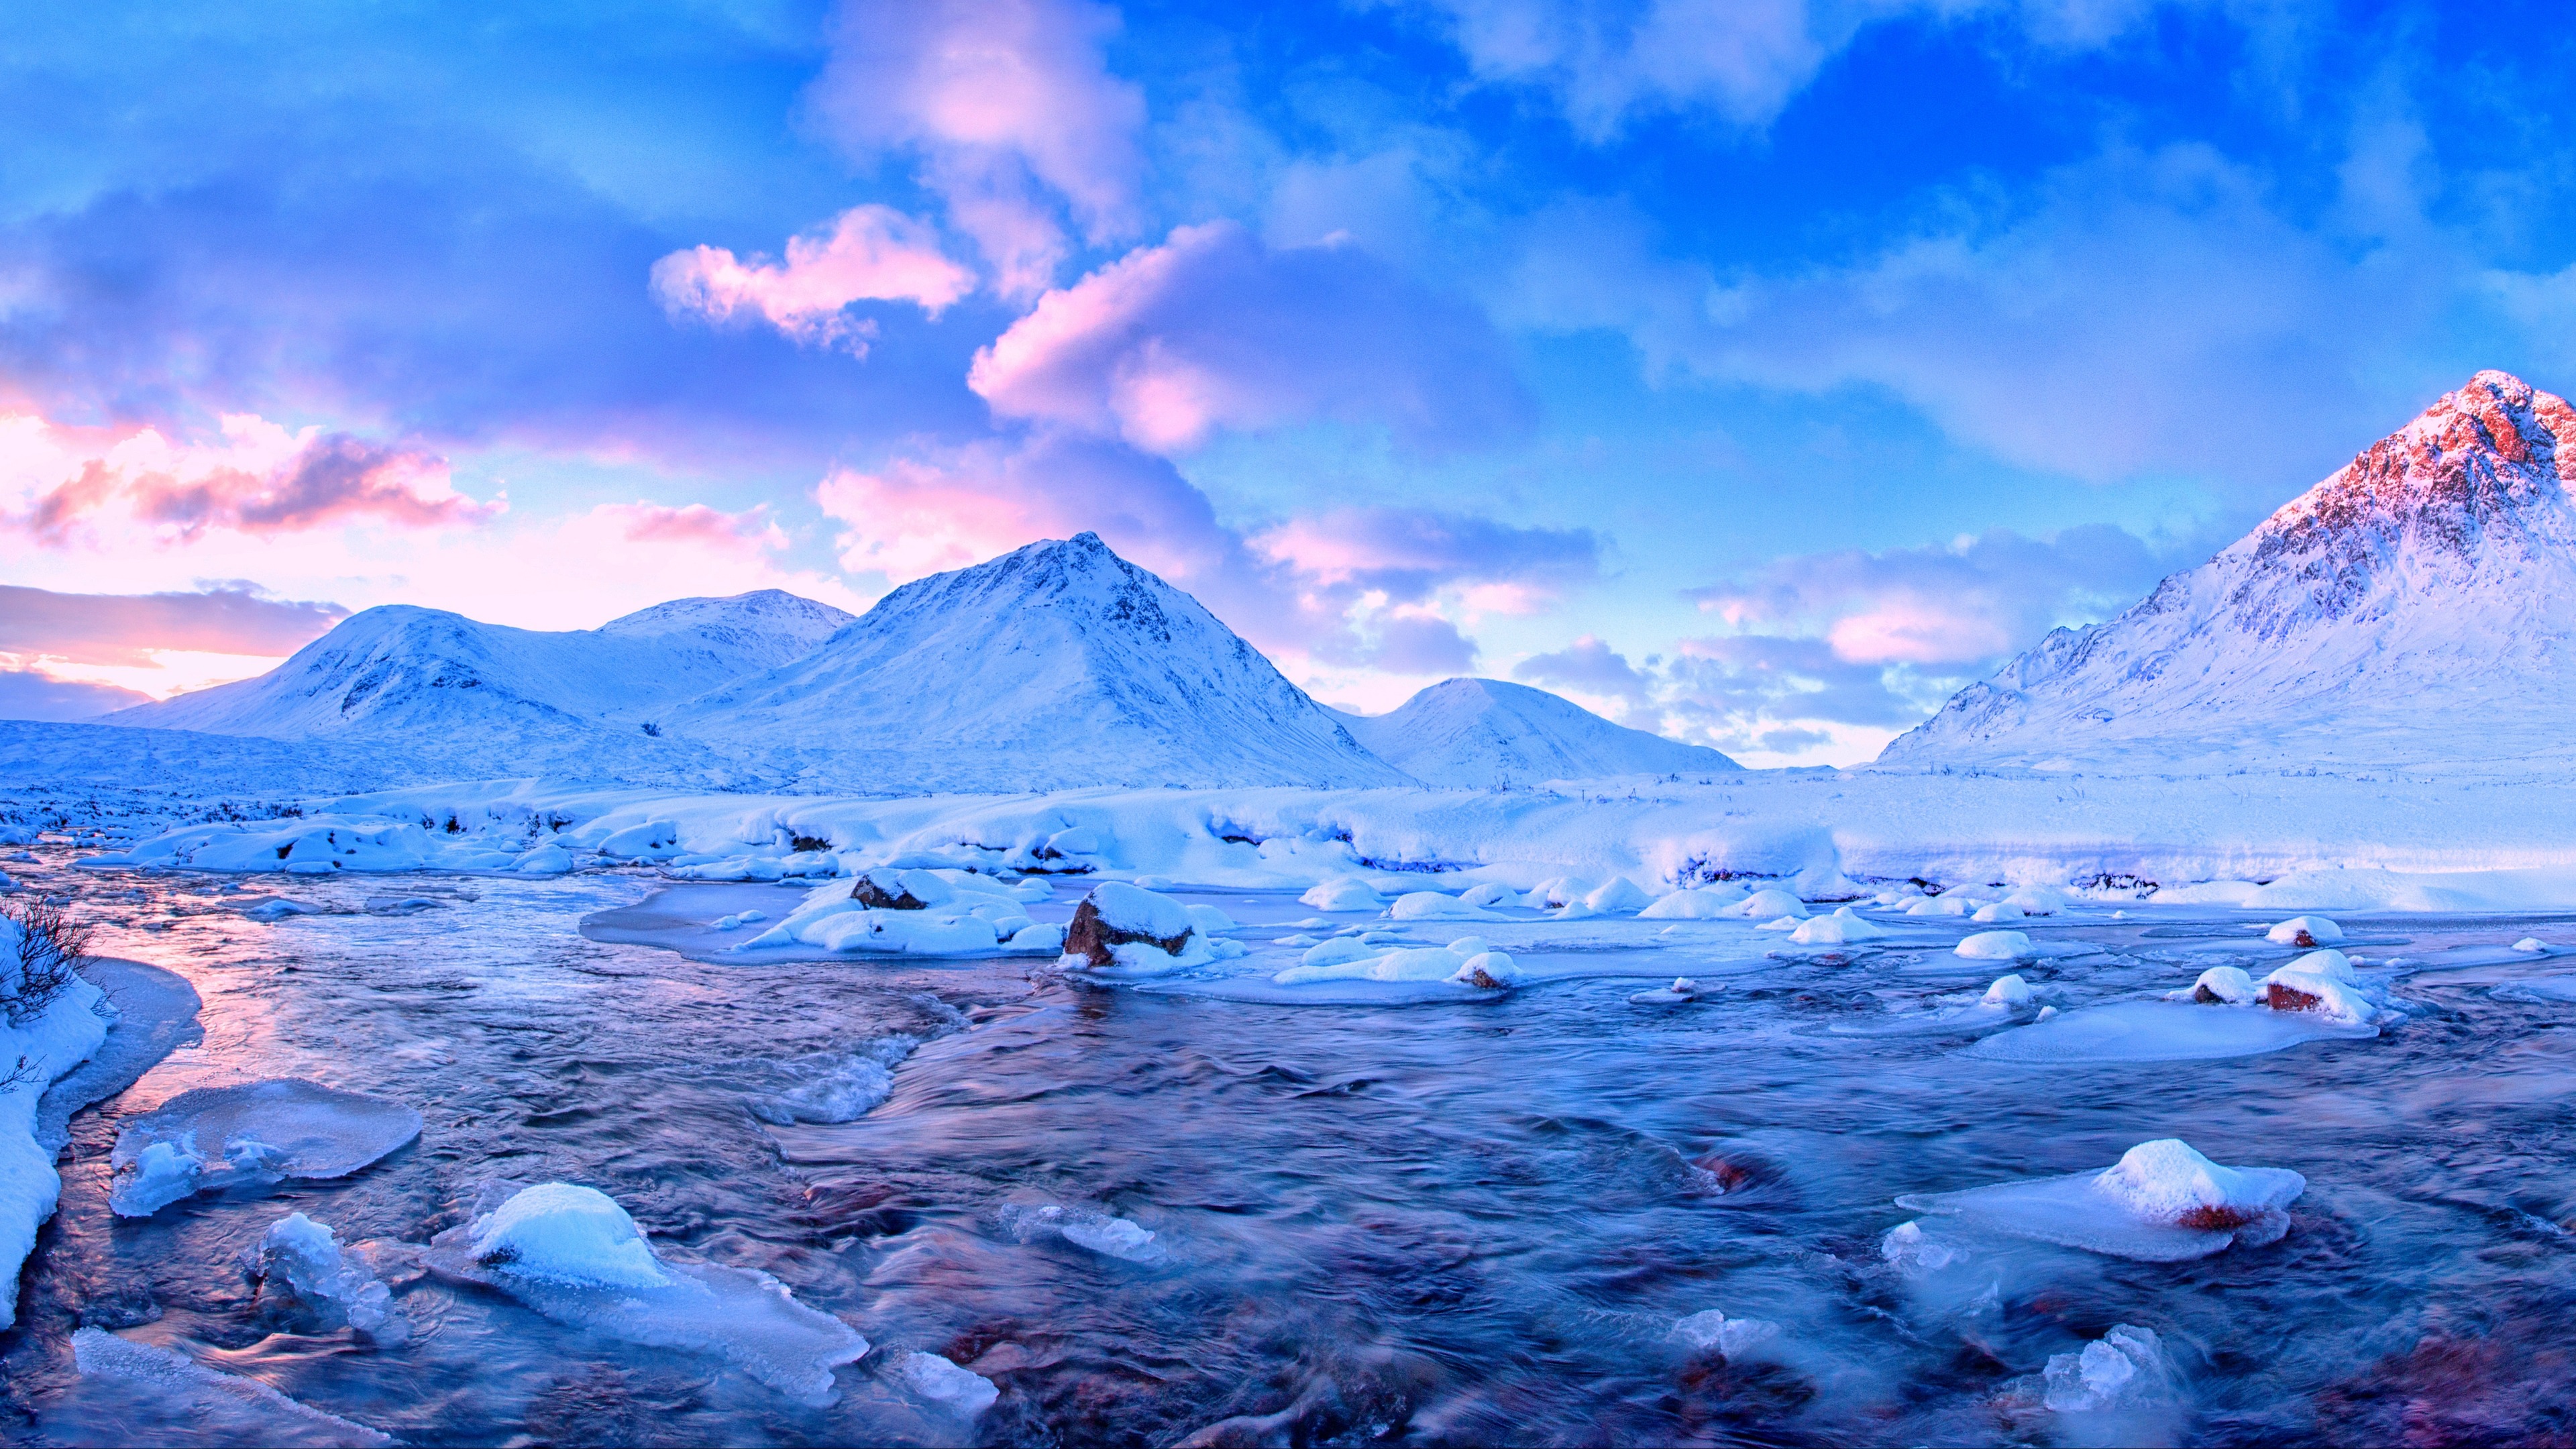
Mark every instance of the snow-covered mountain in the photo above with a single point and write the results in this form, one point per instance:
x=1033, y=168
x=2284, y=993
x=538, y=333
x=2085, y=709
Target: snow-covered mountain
x=1055, y=666
x=1479, y=733
x=2417, y=607
x=508, y=700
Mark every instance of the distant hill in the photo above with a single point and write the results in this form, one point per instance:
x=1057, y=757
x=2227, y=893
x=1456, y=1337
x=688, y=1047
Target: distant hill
x=2417, y=607
x=1478, y=733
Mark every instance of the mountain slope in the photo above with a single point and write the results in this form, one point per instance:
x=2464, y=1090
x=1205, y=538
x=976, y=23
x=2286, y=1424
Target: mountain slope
x=1056, y=666
x=1479, y=733
x=2418, y=606
x=487, y=697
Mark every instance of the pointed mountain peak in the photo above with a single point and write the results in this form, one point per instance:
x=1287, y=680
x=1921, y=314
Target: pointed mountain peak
x=2491, y=449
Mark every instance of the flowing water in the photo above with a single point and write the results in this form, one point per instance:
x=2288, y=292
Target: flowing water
x=1462, y=1222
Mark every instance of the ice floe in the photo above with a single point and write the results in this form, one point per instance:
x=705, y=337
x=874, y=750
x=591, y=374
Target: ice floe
x=2163, y=1031
x=300, y=1265
x=206, y=1405
x=571, y=1253
x=2124, y=1368
x=2161, y=1202
x=209, y=1138
x=1683, y=989
x=1097, y=1232
x=1710, y=1330
x=943, y=1382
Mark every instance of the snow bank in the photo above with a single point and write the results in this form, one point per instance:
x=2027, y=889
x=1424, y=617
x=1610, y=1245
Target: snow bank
x=574, y=1255
x=2162, y=1202
x=217, y=1137
x=71, y=1028
x=210, y=1407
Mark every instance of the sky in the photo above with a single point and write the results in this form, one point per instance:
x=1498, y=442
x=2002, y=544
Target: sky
x=1753, y=371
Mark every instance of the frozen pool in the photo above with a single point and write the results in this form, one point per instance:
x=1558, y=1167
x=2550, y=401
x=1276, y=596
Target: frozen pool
x=1147, y=1212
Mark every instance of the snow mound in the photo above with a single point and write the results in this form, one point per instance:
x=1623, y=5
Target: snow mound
x=907, y=913
x=1483, y=734
x=574, y=1255
x=1771, y=904
x=299, y=1264
x=565, y=1233
x=1842, y=927
x=216, y=1137
x=2162, y=1202
x=210, y=1407
x=1994, y=946
x=1433, y=906
x=1467, y=961
x=1699, y=903
x=2007, y=991
x=1343, y=893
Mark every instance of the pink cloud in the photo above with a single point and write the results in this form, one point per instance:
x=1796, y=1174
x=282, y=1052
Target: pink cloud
x=124, y=629
x=1009, y=103
x=1213, y=329
x=1407, y=552
x=872, y=253
x=695, y=524
x=250, y=485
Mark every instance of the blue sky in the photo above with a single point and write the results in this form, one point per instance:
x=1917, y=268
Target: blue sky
x=1756, y=371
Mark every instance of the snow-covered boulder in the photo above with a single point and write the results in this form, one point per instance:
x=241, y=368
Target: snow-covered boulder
x=1115, y=916
x=1998, y=911
x=2225, y=986
x=2007, y=991
x=2305, y=931
x=544, y=860
x=2295, y=989
x=1489, y=893
x=1699, y=903
x=573, y=1254
x=1489, y=971
x=1948, y=904
x=1842, y=927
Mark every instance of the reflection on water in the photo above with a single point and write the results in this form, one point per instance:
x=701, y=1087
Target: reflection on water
x=1460, y=1223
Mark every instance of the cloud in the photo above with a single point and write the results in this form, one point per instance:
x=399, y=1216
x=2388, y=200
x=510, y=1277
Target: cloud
x=1742, y=59
x=694, y=523
x=1012, y=109
x=872, y=253
x=1963, y=603
x=1407, y=553
x=1212, y=329
x=259, y=480
x=31, y=694
x=1834, y=653
x=1381, y=596
x=120, y=629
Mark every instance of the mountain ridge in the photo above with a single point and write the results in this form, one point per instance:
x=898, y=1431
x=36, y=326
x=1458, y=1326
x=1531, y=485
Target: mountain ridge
x=1474, y=733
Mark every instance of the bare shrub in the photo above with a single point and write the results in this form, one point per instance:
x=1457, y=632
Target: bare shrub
x=43, y=962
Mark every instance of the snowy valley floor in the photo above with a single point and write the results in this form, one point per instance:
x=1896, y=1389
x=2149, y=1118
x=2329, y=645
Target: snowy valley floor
x=1153, y=1208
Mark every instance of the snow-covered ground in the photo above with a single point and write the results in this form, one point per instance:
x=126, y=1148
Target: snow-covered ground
x=2284, y=842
